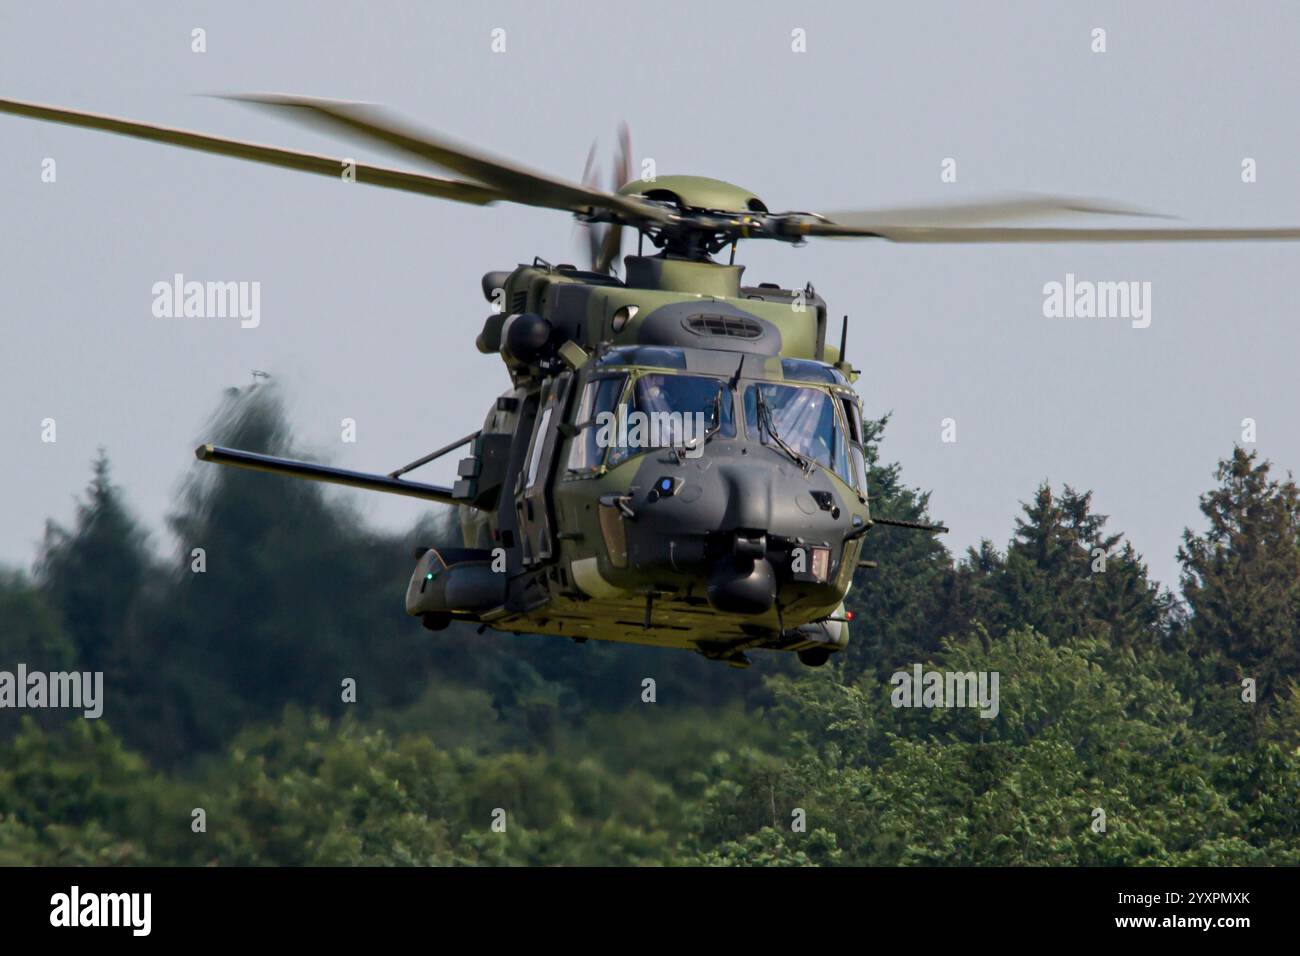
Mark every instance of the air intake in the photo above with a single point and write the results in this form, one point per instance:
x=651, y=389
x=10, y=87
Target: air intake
x=732, y=326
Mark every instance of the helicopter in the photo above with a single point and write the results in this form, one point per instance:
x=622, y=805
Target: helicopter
x=679, y=460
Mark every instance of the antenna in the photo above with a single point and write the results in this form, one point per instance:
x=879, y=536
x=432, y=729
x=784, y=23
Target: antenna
x=842, y=363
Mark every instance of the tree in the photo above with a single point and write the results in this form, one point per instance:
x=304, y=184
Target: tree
x=75, y=796
x=31, y=632
x=31, y=635
x=94, y=573
x=1241, y=578
x=1082, y=765
x=277, y=595
x=897, y=604
x=1063, y=576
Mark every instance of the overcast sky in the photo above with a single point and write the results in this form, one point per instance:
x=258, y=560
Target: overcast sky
x=370, y=299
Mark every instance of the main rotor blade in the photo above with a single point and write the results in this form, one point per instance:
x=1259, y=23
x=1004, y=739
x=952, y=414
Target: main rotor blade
x=456, y=190
x=992, y=209
x=988, y=234
x=515, y=183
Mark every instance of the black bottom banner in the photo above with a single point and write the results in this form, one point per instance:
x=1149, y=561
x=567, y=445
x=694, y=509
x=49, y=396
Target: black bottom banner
x=332, y=905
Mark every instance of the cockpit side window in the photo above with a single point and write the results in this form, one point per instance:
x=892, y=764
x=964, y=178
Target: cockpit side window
x=600, y=395
x=803, y=420
x=857, y=450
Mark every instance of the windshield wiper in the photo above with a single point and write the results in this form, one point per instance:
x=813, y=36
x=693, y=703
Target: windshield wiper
x=709, y=432
x=765, y=421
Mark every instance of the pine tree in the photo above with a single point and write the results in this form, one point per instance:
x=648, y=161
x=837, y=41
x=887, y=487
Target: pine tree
x=93, y=573
x=1063, y=576
x=1241, y=577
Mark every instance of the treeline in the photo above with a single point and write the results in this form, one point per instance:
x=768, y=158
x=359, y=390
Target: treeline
x=1135, y=726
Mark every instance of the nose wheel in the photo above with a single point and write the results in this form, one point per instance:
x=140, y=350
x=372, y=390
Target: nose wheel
x=814, y=656
x=435, y=620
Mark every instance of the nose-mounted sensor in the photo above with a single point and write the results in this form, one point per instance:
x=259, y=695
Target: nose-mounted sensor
x=665, y=487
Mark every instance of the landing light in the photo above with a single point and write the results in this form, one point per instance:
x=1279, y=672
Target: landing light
x=821, y=563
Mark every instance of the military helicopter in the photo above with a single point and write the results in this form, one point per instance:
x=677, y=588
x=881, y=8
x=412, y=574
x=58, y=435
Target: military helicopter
x=678, y=460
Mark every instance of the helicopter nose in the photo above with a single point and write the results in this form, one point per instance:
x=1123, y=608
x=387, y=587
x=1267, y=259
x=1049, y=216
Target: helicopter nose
x=731, y=520
x=748, y=496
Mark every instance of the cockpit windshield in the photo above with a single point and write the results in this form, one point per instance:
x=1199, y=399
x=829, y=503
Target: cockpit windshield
x=798, y=420
x=671, y=411
x=661, y=411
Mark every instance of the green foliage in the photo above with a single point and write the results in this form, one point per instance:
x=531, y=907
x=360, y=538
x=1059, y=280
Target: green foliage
x=30, y=633
x=77, y=796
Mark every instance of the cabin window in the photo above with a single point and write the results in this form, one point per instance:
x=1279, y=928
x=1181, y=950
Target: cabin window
x=539, y=442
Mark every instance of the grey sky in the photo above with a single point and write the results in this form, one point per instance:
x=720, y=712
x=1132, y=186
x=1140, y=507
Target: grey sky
x=370, y=299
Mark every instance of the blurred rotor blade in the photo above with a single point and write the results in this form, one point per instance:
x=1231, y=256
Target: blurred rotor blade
x=989, y=234
x=590, y=231
x=453, y=189
x=623, y=161
x=515, y=183
x=612, y=245
x=993, y=209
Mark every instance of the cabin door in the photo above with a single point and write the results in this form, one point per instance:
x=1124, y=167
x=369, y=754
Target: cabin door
x=533, y=501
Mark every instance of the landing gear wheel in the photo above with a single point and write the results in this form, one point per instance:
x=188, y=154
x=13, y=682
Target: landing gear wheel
x=814, y=656
x=435, y=620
